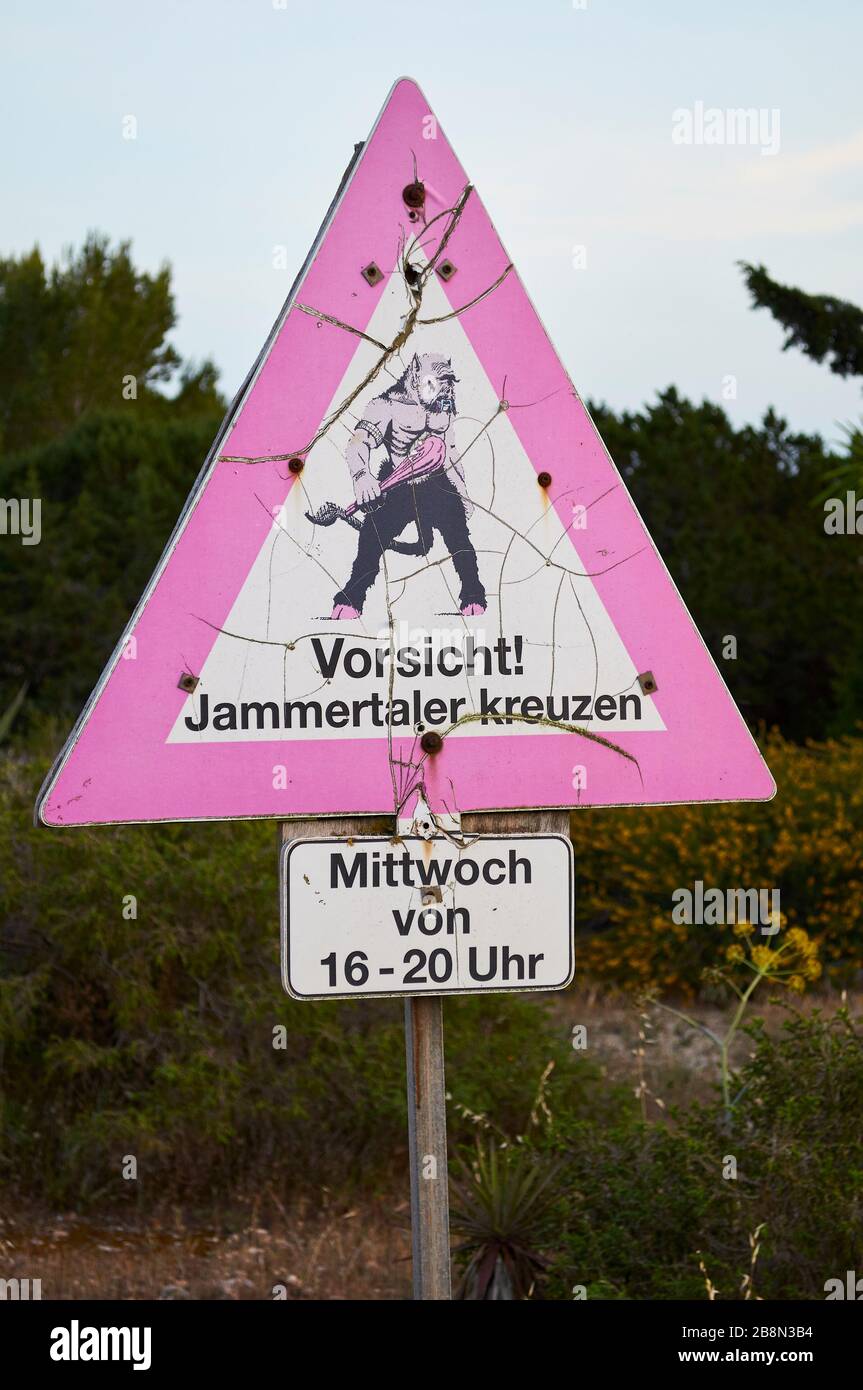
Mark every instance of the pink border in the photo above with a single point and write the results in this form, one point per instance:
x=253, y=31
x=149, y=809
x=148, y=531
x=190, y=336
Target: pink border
x=121, y=769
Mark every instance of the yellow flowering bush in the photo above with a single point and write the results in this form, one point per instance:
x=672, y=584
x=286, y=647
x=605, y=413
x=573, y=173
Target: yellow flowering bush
x=807, y=842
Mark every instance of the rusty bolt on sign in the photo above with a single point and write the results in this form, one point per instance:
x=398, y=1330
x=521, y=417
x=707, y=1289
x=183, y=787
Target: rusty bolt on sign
x=647, y=681
x=446, y=270
x=544, y=479
x=296, y=465
x=188, y=682
x=414, y=194
x=431, y=743
x=372, y=273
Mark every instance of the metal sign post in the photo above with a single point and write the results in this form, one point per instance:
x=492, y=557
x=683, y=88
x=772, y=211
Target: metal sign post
x=427, y=1145
x=338, y=940
x=342, y=938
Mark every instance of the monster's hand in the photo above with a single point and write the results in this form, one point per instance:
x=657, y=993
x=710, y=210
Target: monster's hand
x=366, y=488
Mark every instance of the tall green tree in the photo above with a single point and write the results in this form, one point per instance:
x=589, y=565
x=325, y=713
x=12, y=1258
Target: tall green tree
x=111, y=490
x=730, y=511
x=74, y=336
x=828, y=330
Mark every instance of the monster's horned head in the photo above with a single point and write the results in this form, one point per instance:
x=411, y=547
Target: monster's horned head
x=430, y=376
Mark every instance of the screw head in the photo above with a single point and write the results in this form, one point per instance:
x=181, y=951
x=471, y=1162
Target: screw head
x=446, y=270
x=414, y=194
x=188, y=682
x=431, y=743
x=296, y=465
x=544, y=480
x=372, y=273
x=647, y=681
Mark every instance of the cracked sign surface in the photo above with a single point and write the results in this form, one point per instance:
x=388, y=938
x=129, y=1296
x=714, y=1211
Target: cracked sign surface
x=407, y=524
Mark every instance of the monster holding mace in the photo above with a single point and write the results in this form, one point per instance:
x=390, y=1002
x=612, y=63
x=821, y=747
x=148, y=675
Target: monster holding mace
x=420, y=482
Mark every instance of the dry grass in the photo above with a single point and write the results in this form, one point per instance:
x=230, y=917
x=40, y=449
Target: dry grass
x=319, y=1248
x=360, y=1253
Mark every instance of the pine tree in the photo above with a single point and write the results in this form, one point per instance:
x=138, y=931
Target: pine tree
x=823, y=327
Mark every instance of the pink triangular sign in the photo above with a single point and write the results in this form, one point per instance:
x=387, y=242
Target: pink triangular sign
x=454, y=554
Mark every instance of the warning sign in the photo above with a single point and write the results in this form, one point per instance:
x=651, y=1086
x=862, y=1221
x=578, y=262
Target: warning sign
x=407, y=525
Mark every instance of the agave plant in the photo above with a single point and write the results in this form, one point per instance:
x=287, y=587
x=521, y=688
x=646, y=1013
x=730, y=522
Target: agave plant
x=503, y=1202
x=846, y=472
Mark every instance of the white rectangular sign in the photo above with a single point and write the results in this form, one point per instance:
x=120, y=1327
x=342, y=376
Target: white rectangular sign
x=380, y=916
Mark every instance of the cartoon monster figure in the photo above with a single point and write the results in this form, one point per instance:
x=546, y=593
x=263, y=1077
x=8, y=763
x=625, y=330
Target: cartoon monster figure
x=421, y=481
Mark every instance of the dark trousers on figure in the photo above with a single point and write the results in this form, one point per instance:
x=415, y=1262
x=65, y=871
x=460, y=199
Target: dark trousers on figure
x=432, y=505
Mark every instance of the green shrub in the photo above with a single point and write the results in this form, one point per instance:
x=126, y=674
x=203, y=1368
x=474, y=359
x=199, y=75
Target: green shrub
x=644, y=1206
x=153, y=1034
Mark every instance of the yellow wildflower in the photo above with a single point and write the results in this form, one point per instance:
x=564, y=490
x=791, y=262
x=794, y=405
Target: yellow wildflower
x=762, y=956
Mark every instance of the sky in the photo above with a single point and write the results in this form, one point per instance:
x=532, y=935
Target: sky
x=561, y=111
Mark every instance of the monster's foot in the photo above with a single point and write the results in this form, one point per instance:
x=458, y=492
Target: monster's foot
x=473, y=610
x=343, y=612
